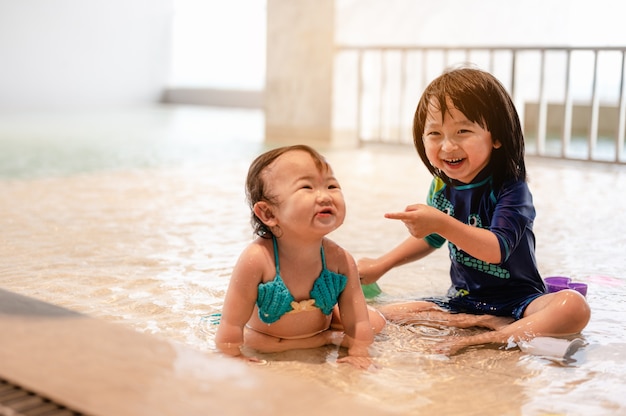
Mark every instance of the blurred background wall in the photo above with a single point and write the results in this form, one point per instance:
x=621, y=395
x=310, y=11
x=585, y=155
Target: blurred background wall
x=111, y=53
x=83, y=53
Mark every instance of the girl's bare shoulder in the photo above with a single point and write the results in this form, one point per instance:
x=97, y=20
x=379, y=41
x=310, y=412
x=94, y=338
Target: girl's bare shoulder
x=336, y=255
x=257, y=259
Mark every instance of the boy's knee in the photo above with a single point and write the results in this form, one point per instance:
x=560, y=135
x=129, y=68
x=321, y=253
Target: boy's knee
x=576, y=309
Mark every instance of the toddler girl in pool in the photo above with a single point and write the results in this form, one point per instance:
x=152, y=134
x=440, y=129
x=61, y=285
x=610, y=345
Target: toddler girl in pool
x=293, y=288
x=468, y=134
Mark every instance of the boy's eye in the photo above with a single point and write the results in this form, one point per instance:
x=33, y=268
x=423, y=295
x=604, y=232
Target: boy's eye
x=432, y=134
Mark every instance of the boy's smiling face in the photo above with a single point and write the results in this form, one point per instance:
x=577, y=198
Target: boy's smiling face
x=456, y=146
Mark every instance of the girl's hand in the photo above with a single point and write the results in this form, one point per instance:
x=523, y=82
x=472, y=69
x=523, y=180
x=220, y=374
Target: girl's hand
x=421, y=220
x=252, y=360
x=363, y=363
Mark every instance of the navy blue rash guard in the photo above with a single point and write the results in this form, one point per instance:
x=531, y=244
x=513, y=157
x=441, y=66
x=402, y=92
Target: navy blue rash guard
x=509, y=213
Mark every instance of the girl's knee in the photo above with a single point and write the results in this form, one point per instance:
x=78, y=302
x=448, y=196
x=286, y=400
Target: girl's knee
x=377, y=320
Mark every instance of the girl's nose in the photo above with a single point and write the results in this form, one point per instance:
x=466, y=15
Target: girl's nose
x=322, y=195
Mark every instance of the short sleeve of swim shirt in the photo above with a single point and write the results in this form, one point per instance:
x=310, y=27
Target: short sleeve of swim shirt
x=436, y=187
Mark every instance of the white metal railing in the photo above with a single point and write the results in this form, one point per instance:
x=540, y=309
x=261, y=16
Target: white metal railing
x=571, y=100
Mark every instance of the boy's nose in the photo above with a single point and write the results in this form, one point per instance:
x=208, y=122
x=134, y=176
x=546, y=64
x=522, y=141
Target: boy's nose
x=448, y=143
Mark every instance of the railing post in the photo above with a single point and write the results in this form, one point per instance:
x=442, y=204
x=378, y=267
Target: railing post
x=595, y=107
x=359, y=103
x=383, y=82
x=622, y=112
x=424, y=68
x=402, y=91
x=567, y=108
x=513, y=66
x=543, y=107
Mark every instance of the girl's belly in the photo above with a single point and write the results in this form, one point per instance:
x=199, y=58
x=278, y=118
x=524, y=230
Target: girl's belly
x=292, y=325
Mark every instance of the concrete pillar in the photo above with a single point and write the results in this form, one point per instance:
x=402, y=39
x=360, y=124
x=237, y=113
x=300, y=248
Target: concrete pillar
x=299, y=77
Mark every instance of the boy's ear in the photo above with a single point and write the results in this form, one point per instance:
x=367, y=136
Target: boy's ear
x=497, y=144
x=263, y=211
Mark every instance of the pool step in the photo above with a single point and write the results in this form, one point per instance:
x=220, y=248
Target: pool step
x=88, y=366
x=15, y=401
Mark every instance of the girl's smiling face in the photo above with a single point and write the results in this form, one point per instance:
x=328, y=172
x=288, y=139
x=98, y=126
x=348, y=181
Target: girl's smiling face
x=456, y=146
x=308, y=198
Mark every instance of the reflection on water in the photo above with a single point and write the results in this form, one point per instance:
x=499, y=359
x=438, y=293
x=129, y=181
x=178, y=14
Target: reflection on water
x=139, y=217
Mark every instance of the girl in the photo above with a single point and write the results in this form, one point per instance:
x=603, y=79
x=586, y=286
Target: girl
x=292, y=287
x=468, y=134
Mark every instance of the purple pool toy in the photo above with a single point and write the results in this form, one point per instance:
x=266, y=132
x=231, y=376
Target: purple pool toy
x=556, y=283
x=579, y=287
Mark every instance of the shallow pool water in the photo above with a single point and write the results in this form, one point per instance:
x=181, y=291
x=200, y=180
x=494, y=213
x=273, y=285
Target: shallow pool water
x=138, y=216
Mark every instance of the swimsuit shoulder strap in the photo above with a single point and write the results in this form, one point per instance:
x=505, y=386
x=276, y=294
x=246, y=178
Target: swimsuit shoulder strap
x=276, y=256
x=273, y=297
x=327, y=287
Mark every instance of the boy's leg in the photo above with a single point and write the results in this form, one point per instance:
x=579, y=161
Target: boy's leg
x=429, y=313
x=376, y=318
x=555, y=314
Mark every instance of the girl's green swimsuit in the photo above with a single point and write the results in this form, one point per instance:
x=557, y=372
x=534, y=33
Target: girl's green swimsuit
x=274, y=299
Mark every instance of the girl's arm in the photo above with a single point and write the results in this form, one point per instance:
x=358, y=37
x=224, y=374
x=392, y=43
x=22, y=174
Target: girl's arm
x=410, y=250
x=240, y=299
x=354, y=313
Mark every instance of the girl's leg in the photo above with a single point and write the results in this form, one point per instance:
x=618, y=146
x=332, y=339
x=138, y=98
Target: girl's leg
x=268, y=344
x=377, y=320
x=555, y=314
x=333, y=336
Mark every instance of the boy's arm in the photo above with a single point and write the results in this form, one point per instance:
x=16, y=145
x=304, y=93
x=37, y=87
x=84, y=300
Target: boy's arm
x=479, y=243
x=410, y=250
x=423, y=220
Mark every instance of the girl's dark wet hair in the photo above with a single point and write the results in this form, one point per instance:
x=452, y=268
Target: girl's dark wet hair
x=257, y=189
x=485, y=101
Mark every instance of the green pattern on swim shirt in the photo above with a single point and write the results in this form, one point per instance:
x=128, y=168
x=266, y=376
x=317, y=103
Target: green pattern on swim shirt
x=459, y=256
x=442, y=204
x=474, y=263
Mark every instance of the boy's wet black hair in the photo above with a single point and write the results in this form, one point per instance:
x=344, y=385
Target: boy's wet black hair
x=485, y=101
